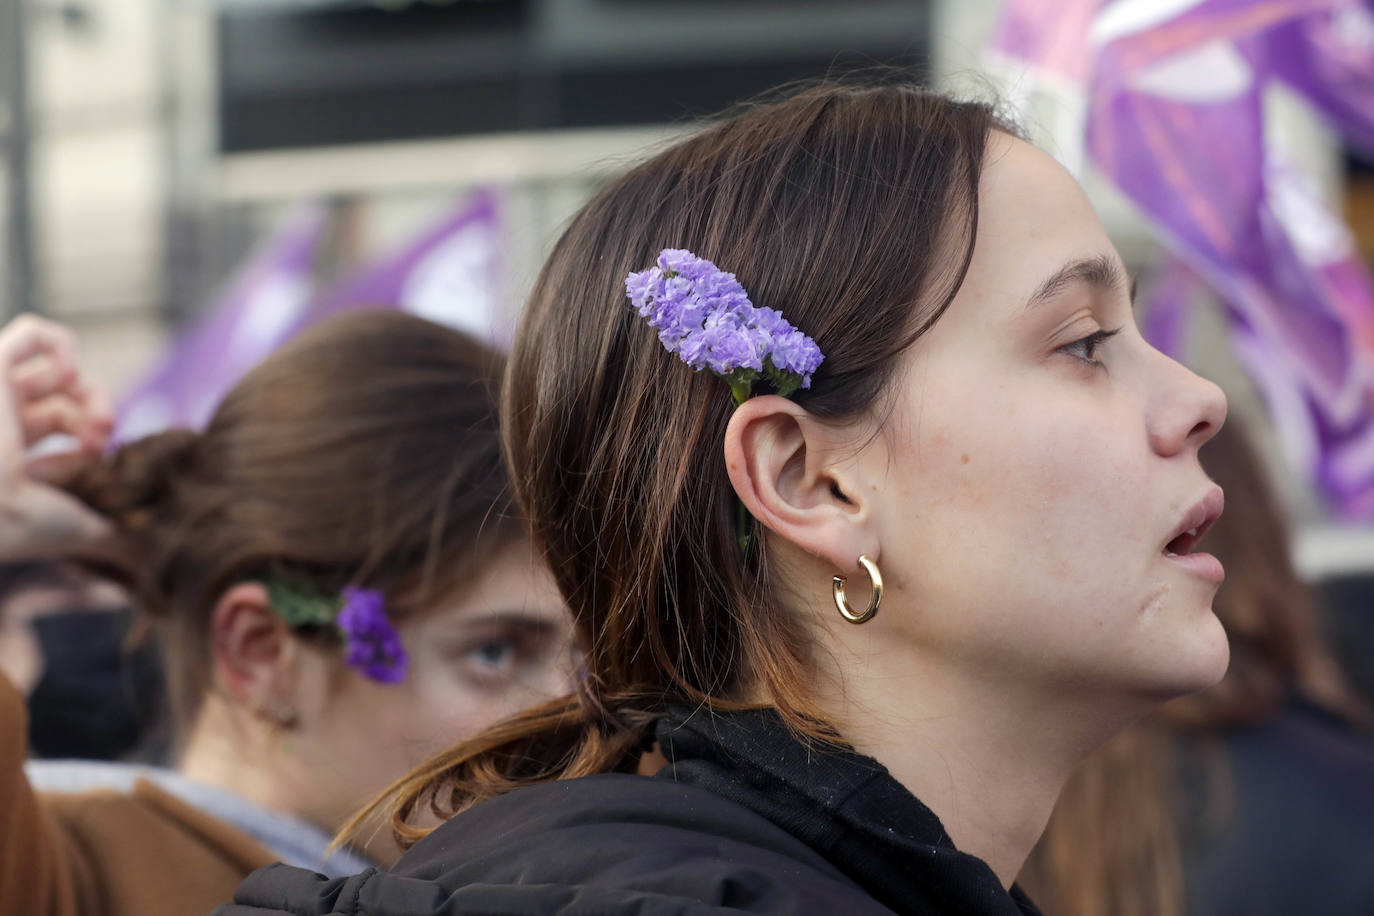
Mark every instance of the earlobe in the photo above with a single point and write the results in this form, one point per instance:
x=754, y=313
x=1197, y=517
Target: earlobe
x=796, y=475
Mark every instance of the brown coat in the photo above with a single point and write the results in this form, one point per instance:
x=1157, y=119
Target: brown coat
x=108, y=853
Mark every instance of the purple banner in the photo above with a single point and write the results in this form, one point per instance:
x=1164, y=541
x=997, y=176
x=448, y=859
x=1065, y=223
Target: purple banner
x=450, y=275
x=1329, y=59
x=246, y=321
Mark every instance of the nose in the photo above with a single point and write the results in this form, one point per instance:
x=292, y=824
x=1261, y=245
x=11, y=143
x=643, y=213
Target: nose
x=1186, y=411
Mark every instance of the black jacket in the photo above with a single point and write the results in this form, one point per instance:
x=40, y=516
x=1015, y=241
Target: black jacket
x=745, y=819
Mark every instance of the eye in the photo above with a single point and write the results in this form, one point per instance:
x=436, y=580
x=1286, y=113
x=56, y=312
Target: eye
x=511, y=652
x=1085, y=348
x=494, y=654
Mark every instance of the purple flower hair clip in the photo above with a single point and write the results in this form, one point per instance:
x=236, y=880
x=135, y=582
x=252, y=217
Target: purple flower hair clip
x=358, y=615
x=371, y=642
x=704, y=316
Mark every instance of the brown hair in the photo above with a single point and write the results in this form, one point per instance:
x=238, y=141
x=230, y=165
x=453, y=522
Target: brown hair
x=853, y=210
x=1086, y=862
x=366, y=452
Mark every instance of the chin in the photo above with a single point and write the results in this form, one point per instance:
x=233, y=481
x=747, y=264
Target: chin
x=1200, y=660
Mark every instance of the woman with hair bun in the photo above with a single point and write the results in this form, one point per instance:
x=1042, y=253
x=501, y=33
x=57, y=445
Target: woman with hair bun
x=339, y=590
x=875, y=513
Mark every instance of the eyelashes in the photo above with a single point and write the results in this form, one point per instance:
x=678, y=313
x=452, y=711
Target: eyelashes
x=1085, y=348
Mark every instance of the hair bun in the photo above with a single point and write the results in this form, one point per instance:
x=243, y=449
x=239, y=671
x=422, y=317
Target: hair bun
x=135, y=488
x=139, y=478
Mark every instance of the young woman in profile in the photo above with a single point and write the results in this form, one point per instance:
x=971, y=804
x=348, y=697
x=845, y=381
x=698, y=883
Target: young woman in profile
x=337, y=587
x=988, y=441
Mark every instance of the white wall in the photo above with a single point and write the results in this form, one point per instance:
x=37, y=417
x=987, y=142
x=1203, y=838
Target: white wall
x=97, y=111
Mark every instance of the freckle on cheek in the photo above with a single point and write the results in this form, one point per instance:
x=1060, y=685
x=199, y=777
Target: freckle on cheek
x=963, y=459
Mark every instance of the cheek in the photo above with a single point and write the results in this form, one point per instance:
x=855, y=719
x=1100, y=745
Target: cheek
x=443, y=710
x=1020, y=497
x=406, y=722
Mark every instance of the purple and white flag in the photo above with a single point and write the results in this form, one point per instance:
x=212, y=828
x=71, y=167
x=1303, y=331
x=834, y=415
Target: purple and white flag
x=451, y=275
x=247, y=320
x=1329, y=59
x=1173, y=96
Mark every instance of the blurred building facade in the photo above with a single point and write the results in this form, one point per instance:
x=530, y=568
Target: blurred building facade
x=164, y=136
x=94, y=132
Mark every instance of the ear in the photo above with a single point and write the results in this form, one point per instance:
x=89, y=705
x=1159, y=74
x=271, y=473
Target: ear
x=253, y=650
x=797, y=475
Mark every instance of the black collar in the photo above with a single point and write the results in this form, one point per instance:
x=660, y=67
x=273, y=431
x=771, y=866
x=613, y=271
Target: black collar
x=844, y=805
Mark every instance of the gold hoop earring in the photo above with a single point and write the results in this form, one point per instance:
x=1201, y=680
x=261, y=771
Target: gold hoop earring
x=875, y=579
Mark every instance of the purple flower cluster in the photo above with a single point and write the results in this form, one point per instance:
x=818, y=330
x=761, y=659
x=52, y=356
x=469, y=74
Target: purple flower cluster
x=703, y=315
x=371, y=643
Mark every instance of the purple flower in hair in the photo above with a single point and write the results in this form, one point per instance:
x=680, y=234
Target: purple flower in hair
x=371, y=643
x=794, y=352
x=703, y=315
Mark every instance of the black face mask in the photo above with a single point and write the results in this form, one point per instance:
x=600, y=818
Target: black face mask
x=97, y=699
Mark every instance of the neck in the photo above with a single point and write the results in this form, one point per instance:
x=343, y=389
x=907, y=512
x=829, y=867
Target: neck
x=988, y=758
x=230, y=749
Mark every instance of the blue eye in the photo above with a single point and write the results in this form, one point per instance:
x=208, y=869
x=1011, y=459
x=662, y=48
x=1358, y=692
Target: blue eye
x=509, y=652
x=495, y=653
x=1085, y=348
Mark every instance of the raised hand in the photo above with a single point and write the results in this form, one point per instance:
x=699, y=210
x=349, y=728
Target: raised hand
x=42, y=392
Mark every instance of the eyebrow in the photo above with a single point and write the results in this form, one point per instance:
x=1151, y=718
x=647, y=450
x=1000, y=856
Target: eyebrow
x=526, y=620
x=1101, y=272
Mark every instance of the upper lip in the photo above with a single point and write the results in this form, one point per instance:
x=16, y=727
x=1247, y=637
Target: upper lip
x=1195, y=522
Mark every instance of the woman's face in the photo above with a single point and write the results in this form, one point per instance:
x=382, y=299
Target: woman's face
x=1041, y=459
x=501, y=643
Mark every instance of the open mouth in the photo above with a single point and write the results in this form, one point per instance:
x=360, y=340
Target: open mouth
x=1193, y=527
x=1186, y=542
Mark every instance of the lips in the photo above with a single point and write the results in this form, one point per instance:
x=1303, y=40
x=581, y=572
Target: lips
x=1195, y=524
x=1180, y=547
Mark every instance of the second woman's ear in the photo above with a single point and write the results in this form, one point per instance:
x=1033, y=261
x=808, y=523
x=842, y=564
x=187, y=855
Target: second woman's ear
x=252, y=646
x=797, y=475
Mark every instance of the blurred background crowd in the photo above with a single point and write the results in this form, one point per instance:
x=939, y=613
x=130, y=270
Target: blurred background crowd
x=189, y=183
